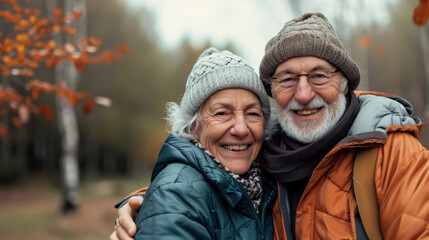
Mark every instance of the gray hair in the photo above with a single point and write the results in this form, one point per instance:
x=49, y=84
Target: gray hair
x=180, y=123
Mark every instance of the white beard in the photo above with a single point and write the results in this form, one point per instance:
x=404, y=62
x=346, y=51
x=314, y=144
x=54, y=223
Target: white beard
x=332, y=114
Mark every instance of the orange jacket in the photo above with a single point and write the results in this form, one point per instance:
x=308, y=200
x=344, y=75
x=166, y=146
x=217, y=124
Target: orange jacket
x=327, y=207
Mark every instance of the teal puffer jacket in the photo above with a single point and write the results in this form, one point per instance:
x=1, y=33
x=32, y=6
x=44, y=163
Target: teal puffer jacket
x=191, y=198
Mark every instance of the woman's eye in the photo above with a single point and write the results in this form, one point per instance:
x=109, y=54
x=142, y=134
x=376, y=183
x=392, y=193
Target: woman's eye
x=254, y=115
x=222, y=114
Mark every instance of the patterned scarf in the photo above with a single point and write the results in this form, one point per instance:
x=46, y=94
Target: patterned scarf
x=250, y=181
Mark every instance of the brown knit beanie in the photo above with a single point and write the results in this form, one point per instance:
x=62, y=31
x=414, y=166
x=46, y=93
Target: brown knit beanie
x=310, y=34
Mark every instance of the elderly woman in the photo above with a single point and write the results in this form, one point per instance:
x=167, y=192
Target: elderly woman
x=206, y=183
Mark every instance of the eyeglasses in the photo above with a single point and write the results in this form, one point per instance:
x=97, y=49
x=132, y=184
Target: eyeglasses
x=317, y=78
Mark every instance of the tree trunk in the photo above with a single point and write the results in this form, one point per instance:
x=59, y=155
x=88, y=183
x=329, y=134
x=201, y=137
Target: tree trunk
x=424, y=35
x=4, y=142
x=67, y=122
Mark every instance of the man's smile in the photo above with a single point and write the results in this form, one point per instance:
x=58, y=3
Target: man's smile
x=306, y=112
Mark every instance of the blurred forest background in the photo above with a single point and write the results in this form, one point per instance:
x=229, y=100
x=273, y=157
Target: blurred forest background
x=118, y=145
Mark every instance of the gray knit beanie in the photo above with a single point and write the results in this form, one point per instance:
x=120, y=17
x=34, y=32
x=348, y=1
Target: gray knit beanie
x=310, y=34
x=216, y=70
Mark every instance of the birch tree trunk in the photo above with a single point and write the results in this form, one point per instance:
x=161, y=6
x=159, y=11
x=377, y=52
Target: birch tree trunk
x=67, y=122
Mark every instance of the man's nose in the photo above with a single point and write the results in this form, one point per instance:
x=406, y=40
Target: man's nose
x=304, y=92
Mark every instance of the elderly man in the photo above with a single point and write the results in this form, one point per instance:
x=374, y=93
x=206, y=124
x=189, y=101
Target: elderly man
x=320, y=126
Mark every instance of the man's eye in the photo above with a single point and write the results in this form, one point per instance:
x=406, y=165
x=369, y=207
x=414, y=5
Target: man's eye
x=319, y=75
x=288, y=79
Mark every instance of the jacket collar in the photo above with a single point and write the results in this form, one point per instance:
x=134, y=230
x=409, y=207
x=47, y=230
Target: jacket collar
x=179, y=150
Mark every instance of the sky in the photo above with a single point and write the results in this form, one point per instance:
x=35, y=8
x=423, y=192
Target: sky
x=247, y=24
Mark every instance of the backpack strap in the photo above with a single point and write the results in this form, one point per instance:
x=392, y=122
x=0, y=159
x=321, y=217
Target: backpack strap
x=365, y=193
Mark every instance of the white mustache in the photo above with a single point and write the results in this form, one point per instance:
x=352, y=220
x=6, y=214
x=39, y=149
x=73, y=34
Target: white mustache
x=316, y=102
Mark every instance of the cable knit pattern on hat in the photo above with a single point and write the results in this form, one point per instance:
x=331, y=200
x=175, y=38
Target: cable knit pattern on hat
x=310, y=34
x=216, y=70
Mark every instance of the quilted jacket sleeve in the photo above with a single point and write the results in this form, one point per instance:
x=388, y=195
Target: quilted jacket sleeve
x=402, y=182
x=173, y=211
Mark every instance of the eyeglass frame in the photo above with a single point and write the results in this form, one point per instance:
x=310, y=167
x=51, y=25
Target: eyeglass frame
x=296, y=77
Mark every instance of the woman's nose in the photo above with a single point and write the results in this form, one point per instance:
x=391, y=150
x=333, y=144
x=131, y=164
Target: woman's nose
x=239, y=127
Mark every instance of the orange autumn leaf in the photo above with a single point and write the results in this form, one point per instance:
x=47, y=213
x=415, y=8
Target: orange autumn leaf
x=50, y=44
x=76, y=13
x=69, y=30
x=93, y=41
x=13, y=96
x=42, y=85
x=36, y=93
x=46, y=111
x=88, y=107
x=58, y=12
x=421, y=13
x=16, y=121
x=19, y=28
x=22, y=38
x=27, y=72
x=33, y=64
x=55, y=28
x=60, y=93
x=31, y=84
x=23, y=23
x=79, y=64
x=94, y=61
x=74, y=99
x=107, y=56
x=4, y=13
x=56, y=62
x=17, y=8
x=71, y=100
x=32, y=19
x=122, y=48
x=32, y=12
x=7, y=59
x=365, y=42
x=69, y=93
x=78, y=96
